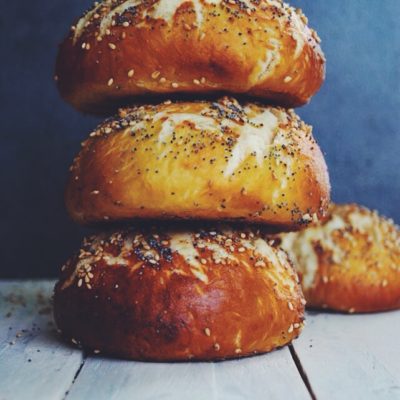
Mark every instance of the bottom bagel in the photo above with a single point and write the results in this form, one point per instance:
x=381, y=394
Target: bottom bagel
x=177, y=295
x=350, y=262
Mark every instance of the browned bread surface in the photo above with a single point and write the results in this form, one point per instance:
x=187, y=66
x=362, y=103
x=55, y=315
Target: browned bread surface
x=179, y=295
x=200, y=160
x=351, y=262
x=122, y=51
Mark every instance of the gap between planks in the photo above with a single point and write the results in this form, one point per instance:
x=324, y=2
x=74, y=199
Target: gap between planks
x=75, y=376
x=302, y=372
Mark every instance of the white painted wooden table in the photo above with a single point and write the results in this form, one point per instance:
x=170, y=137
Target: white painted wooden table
x=336, y=357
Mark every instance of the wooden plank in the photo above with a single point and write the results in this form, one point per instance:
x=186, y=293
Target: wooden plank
x=272, y=376
x=352, y=356
x=34, y=363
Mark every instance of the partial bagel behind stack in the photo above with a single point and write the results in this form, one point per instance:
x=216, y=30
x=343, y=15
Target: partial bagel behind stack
x=201, y=160
x=164, y=295
x=124, y=51
x=350, y=262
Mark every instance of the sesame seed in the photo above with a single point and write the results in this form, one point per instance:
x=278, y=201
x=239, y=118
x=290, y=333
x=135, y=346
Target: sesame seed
x=287, y=79
x=241, y=249
x=112, y=46
x=290, y=305
x=196, y=81
x=110, y=82
x=155, y=74
x=174, y=85
x=307, y=217
x=125, y=24
x=238, y=351
x=80, y=282
x=352, y=310
x=296, y=325
x=96, y=351
x=290, y=330
x=203, y=80
x=203, y=261
x=162, y=80
x=260, y=263
x=95, y=192
x=325, y=279
x=131, y=73
x=74, y=341
x=217, y=346
x=385, y=283
x=207, y=331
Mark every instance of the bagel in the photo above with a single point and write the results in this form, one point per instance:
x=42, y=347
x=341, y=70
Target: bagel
x=200, y=160
x=179, y=295
x=350, y=262
x=125, y=51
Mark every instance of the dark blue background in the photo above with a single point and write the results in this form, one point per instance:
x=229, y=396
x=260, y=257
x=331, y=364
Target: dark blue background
x=355, y=118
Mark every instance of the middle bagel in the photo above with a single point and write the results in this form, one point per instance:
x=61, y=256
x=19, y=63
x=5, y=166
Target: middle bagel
x=183, y=160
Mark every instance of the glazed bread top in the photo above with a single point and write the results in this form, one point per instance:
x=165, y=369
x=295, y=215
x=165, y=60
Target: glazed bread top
x=123, y=51
x=192, y=253
x=200, y=160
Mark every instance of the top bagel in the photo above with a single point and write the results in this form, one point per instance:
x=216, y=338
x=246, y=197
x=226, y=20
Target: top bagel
x=122, y=51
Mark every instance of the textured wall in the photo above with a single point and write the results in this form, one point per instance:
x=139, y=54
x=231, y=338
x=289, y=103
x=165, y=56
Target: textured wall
x=355, y=118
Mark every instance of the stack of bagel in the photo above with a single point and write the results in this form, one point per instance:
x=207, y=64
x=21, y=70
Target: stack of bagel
x=192, y=182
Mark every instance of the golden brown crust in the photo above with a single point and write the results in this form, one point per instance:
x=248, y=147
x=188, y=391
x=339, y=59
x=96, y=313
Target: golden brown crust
x=200, y=160
x=179, y=295
x=122, y=51
x=350, y=263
